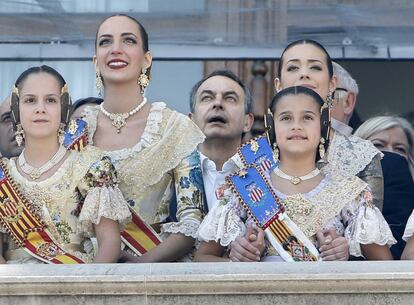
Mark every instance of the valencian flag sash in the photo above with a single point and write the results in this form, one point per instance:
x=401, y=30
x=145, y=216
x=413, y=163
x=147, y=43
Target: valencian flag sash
x=137, y=235
x=262, y=204
x=25, y=227
x=258, y=151
x=76, y=135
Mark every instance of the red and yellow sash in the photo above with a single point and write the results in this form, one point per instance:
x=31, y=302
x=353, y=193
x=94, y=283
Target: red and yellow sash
x=138, y=236
x=26, y=228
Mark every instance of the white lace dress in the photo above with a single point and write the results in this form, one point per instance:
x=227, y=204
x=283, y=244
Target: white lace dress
x=409, y=228
x=343, y=204
x=71, y=201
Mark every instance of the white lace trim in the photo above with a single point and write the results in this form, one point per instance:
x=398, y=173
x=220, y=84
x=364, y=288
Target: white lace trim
x=105, y=202
x=368, y=227
x=187, y=228
x=150, y=135
x=409, y=228
x=221, y=224
x=350, y=155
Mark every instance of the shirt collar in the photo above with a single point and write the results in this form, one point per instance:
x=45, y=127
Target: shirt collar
x=341, y=127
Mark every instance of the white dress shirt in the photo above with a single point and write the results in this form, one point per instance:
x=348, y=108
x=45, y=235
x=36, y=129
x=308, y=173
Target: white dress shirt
x=214, y=179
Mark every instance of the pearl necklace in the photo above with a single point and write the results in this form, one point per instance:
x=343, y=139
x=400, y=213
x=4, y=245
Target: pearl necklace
x=119, y=119
x=296, y=179
x=36, y=172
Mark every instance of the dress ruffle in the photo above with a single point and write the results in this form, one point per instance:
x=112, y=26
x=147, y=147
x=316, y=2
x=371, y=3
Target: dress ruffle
x=409, y=228
x=368, y=227
x=222, y=224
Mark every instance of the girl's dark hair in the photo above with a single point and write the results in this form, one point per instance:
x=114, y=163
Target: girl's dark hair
x=142, y=31
x=325, y=117
x=43, y=68
x=306, y=41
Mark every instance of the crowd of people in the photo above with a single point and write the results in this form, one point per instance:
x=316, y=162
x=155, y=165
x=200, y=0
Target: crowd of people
x=120, y=179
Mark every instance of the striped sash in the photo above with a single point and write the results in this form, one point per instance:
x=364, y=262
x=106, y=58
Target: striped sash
x=76, y=135
x=19, y=218
x=262, y=204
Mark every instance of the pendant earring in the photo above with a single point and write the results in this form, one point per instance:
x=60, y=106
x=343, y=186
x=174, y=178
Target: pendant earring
x=143, y=80
x=19, y=134
x=329, y=99
x=99, y=83
x=322, y=148
x=275, y=152
x=61, y=133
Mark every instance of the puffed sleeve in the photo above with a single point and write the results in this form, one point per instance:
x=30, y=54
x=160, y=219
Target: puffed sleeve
x=224, y=223
x=409, y=228
x=189, y=191
x=103, y=198
x=364, y=224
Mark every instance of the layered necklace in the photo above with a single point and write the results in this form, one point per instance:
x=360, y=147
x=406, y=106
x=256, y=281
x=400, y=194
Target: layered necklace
x=36, y=172
x=119, y=119
x=296, y=179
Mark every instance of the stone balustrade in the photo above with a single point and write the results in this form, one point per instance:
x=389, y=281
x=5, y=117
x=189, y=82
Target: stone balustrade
x=210, y=283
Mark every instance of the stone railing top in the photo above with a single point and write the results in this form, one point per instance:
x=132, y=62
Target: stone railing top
x=208, y=278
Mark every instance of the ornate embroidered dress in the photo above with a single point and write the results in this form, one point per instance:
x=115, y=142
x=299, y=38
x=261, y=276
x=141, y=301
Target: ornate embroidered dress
x=75, y=197
x=338, y=202
x=351, y=155
x=164, y=164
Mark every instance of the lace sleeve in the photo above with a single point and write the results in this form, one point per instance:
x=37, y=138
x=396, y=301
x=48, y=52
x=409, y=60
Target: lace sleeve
x=365, y=224
x=224, y=222
x=409, y=228
x=190, y=197
x=103, y=197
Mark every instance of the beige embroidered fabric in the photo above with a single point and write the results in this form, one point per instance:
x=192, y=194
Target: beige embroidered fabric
x=85, y=176
x=158, y=165
x=351, y=155
x=409, y=228
x=338, y=202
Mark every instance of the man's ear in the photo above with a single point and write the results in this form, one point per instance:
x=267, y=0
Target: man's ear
x=248, y=122
x=349, y=103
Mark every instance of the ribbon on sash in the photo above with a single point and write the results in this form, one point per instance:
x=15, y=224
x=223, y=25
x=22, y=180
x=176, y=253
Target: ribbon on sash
x=76, y=135
x=262, y=204
x=25, y=227
x=258, y=151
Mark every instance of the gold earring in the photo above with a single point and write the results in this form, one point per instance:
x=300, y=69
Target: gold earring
x=275, y=152
x=143, y=80
x=322, y=148
x=19, y=134
x=61, y=133
x=98, y=82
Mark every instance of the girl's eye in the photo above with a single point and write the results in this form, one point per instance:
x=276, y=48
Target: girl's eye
x=318, y=68
x=130, y=40
x=104, y=42
x=29, y=100
x=292, y=68
x=308, y=118
x=285, y=118
x=51, y=100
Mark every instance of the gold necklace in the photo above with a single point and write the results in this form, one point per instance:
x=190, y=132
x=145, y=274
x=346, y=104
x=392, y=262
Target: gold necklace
x=119, y=119
x=296, y=179
x=35, y=172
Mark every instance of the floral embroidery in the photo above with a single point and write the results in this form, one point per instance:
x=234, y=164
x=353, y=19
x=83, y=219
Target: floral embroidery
x=102, y=173
x=63, y=228
x=184, y=182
